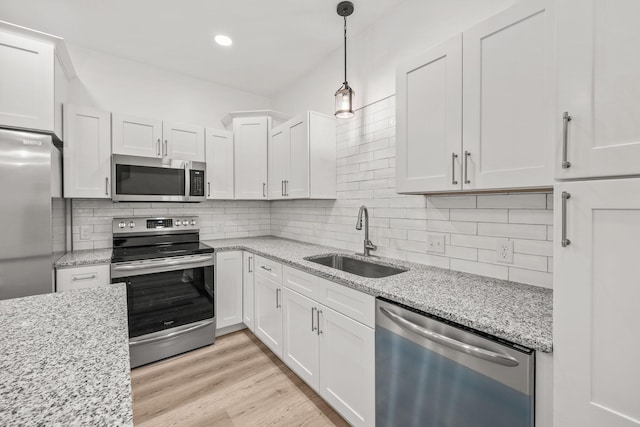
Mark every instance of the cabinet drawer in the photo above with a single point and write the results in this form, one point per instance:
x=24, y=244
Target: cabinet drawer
x=354, y=304
x=90, y=276
x=269, y=269
x=301, y=282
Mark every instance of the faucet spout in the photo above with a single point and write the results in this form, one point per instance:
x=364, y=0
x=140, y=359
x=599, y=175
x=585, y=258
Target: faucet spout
x=368, y=245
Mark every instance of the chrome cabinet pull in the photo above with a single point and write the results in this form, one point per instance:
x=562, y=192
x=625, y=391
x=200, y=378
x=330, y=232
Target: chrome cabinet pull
x=318, y=313
x=282, y=188
x=454, y=156
x=286, y=188
x=165, y=148
x=208, y=189
x=564, y=241
x=249, y=264
x=566, y=118
x=479, y=352
x=158, y=147
x=313, y=328
x=264, y=267
x=278, y=305
x=264, y=189
x=106, y=186
x=467, y=154
x=89, y=277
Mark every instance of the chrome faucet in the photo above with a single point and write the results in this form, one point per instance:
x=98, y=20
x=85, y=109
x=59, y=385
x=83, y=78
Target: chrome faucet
x=368, y=245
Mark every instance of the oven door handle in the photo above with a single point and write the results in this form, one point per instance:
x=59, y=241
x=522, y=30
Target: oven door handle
x=172, y=334
x=144, y=266
x=460, y=346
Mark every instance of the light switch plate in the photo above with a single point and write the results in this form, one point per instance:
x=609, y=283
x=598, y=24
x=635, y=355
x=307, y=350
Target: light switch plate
x=504, y=251
x=435, y=243
x=85, y=232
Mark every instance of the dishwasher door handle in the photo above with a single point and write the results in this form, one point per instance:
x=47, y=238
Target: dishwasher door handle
x=451, y=343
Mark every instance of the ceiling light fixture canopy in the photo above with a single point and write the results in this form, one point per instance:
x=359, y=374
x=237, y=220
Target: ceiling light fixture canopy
x=223, y=40
x=344, y=95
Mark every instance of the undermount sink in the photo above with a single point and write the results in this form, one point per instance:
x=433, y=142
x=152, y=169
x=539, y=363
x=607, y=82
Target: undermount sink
x=356, y=266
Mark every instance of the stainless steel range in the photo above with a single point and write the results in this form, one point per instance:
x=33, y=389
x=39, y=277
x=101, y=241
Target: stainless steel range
x=170, y=285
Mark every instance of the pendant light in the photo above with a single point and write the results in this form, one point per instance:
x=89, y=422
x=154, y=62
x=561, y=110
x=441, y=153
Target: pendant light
x=344, y=95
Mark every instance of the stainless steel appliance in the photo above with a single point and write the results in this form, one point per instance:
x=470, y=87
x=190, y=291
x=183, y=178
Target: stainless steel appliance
x=170, y=285
x=27, y=164
x=431, y=372
x=146, y=179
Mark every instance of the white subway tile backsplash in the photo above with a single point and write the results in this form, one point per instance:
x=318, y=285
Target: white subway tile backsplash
x=513, y=201
x=521, y=231
x=479, y=215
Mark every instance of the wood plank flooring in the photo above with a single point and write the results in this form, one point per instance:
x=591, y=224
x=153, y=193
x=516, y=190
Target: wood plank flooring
x=235, y=382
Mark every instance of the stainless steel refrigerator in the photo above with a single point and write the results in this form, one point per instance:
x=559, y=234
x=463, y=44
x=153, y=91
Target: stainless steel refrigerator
x=27, y=164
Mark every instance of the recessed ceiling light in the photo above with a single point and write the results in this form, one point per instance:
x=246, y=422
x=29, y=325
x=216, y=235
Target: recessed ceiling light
x=223, y=40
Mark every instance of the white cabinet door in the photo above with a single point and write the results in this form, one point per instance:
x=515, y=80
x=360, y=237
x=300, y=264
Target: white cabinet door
x=278, y=161
x=596, y=347
x=136, y=136
x=347, y=368
x=268, y=313
x=509, y=99
x=89, y=276
x=250, y=146
x=228, y=289
x=599, y=87
x=27, y=89
x=87, y=153
x=248, y=274
x=183, y=141
x=219, y=156
x=297, y=180
x=429, y=120
x=301, y=344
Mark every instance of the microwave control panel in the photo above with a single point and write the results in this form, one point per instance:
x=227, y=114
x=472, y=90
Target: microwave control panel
x=197, y=183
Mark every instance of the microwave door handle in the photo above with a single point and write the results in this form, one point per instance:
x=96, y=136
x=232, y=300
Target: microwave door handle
x=451, y=343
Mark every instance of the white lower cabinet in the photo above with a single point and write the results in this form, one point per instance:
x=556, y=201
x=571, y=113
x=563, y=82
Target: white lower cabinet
x=301, y=337
x=248, y=277
x=229, y=290
x=268, y=313
x=347, y=367
x=90, y=276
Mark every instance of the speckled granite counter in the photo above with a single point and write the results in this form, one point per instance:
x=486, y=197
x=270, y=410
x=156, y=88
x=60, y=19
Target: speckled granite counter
x=84, y=257
x=64, y=359
x=516, y=312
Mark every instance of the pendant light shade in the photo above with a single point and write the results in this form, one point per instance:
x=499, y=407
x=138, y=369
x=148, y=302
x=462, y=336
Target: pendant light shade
x=344, y=95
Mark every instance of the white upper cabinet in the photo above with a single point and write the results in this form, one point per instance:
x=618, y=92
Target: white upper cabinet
x=508, y=97
x=429, y=120
x=302, y=158
x=87, y=153
x=595, y=304
x=598, y=88
x=278, y=161
x=251, y=135
x=136, y=136
x=183, y=141
x=476, y=113
x=219, y=157
x=144, y=137
x=33, y=79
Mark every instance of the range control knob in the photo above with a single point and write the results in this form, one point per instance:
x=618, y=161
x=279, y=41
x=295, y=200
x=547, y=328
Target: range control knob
x=177, y=223
x=132, y=224
x=122, y=224
x=193, y=222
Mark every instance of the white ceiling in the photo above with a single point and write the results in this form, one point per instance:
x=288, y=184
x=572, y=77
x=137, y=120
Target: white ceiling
x=274, y=41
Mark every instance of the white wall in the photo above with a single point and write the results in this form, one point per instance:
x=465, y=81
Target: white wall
x=407, y=30
x=116, y=84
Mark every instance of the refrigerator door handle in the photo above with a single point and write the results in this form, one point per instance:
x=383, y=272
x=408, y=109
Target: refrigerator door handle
x=451, y=343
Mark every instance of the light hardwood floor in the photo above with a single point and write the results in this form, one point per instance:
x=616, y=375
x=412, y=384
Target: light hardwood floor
x=235, y=382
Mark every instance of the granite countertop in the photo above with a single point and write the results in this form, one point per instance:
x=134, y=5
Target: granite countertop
x=84, y=257
x=518, y=313
x=64, y=359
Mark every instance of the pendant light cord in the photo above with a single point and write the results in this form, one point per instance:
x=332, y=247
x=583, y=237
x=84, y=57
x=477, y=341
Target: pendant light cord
x=345, y=50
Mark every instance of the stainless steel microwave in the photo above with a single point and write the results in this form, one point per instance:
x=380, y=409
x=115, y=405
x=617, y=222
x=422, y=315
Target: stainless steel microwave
x=140, y=179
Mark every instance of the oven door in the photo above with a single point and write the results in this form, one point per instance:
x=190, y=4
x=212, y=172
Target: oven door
x=142, y=179
x=167, y=293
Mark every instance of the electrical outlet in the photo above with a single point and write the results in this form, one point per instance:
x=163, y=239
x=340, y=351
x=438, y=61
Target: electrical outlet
x=504, y=251
x=85, y=232
x=220, y=227
x=435, y=243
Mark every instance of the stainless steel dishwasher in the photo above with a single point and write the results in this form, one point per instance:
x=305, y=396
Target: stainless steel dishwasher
x=434, y=373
